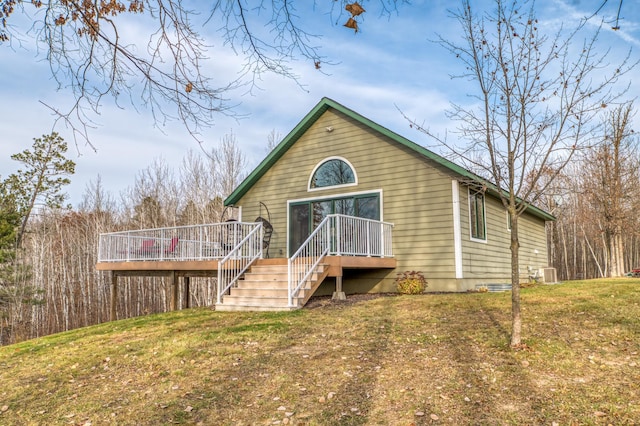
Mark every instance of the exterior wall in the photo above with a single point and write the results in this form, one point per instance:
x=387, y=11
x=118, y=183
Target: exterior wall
x=415, y=196
x=415, y=193
x=489, y=262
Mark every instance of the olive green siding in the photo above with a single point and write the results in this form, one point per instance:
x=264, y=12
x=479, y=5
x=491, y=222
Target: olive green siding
x=415, y=193
x=490, y=261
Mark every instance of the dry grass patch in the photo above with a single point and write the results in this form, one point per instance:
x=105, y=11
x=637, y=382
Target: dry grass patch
x=431, y=359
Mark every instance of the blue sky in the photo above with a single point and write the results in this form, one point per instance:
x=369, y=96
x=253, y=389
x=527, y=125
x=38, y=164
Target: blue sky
x=391, y=63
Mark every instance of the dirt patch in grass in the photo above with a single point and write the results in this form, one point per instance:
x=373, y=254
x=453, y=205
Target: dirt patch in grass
x=370, y=360
x=326, y=301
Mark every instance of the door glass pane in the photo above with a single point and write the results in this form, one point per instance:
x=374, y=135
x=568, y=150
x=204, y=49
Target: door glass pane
x=345, y=206
x=368, y=207
x=320, y=210
x=299, y=225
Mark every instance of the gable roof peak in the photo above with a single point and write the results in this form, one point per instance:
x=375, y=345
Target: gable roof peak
x=312, y=116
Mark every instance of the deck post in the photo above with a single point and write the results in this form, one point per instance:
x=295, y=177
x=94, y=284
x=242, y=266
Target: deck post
x=186, y=301
x=174, y=291
x=114, y=296
x=339, y=294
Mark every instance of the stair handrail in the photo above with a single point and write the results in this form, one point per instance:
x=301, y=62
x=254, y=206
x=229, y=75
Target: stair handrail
x=238, y=260
x=306, y=259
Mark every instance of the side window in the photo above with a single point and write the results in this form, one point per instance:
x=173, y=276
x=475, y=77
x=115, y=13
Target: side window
x=332, y=172
x=478, y=223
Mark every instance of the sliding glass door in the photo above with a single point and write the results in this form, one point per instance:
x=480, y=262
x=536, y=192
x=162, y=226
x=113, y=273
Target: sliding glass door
x=305, y=216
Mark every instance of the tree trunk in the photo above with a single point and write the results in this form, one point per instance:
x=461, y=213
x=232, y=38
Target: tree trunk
x=516, y=317
x=565, y=252
x=616, y=251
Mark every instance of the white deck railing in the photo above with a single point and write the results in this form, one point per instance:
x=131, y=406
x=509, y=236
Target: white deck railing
x=239, y=259
x=338, y=235
x=307, y=258
x=196, y=242
x=236, y=245
x=356, y=236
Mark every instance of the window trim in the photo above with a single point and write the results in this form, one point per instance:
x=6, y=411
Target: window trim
x=471, y=194
x=315, y=169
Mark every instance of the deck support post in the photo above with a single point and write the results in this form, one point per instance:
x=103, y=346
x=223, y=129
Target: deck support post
x=186, y=300
x=114, y=297
x=174, y=291
x=339, y=294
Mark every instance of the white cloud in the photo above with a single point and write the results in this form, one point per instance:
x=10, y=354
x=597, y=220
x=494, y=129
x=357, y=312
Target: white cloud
x=391, y=64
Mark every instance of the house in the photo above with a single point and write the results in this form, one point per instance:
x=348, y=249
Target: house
x=444, y=222
x=340, y=206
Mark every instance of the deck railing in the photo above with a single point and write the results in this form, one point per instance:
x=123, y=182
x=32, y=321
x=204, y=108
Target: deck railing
x=338, y=235
x=356, y=236
x=236, y=245
x=238, y=260
x=307, y=258
x=195, y=242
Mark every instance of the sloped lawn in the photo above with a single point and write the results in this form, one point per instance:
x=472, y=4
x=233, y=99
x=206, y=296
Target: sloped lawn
x=392, y=360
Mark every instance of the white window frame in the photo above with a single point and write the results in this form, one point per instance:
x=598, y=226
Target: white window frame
x=313, y=172
x=471, y=192
x=457, y=231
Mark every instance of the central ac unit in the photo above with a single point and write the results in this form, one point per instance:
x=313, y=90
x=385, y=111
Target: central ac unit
x=549, y=275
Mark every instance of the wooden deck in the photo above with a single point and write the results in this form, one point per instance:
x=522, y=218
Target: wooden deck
x=232, y=252
x=210, y=267
x=165, y=265
x=174, y=270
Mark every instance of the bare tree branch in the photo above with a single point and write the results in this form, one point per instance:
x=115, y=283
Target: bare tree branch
x=91, y=54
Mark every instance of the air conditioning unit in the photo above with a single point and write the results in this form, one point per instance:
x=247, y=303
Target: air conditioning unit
x=549, y=275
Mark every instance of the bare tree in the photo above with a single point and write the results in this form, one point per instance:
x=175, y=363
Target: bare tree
x=199, y=186
x=273, y=139
x=610, y=177
x=96, y=199
x=537, y=97
x=231, y=164
x=92, y=54
x=153, y=200
x=615, y=22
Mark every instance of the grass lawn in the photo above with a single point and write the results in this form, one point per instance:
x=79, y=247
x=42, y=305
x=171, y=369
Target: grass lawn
x=397, y=360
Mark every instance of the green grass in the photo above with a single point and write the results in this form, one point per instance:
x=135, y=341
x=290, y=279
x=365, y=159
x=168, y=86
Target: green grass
x=401, y=360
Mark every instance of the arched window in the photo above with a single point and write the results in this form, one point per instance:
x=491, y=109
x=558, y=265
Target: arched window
x=332, y=172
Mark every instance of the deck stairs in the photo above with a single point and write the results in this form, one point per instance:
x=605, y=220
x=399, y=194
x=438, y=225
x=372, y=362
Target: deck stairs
x=265, y=288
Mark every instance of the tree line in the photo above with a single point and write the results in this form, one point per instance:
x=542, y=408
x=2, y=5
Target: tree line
x=595, y=201
x=48, y=251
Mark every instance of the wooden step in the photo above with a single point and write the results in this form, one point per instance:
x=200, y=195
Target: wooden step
x=257, y=285
x=264, y=276
x=255, y=300
x=253, y=308
x=270, y=268
x=264, y=292
x=265, y=288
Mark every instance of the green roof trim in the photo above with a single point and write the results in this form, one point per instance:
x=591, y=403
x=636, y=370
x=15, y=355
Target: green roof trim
x=315, y=113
